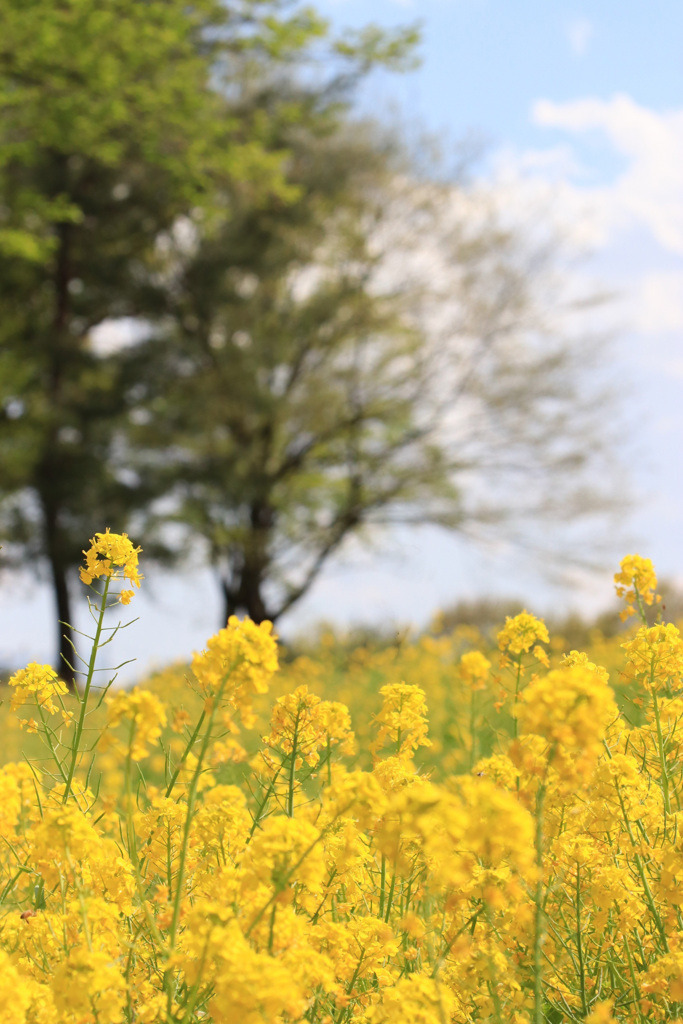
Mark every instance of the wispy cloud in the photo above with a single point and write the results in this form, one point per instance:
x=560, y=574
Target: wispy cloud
x=649, y=191
x=580, y=31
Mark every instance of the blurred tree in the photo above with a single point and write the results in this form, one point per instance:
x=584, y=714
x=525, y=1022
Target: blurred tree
x=377, y=352
x=117, y=120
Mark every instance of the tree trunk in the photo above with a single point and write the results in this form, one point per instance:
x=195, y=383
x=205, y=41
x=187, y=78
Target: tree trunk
x=229, y=606
x=65, y=654
x=60, y=589
x=50, y=470
x=247, y=597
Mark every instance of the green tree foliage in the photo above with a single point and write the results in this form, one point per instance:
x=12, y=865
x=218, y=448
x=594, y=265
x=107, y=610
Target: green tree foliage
x=290, y=390
x=117, y=120
x=327, y=340
x=375, y=352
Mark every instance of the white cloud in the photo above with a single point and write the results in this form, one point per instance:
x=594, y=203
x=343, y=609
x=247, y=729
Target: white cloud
x=579, y=34
x=658, y=303
x=649, y=192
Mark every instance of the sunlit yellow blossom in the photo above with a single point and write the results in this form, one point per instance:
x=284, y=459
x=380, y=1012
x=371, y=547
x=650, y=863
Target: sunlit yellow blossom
x=227, y=751
x=403, y=719
x=580, y=658
x=570, y=708
x=89, y=985
x=521, y=632
x=635, y=581
x=239, y=661
x=655, y=656
x=257, y=877
x=416, y=999
x=474, y=669
x=282, y=852
x=222, y=824
x=601, y=1013
x=15, y=996
x=303, y=725
x=246, y=986
x=112, y=555
x=357, y=794
x=455, y=830
x=162, y=822
x=17, y=797
x=37, y=684
x=145, y=713
x=62, y=840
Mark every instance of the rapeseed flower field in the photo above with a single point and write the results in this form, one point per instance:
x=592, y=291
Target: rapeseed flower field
x=436, y=832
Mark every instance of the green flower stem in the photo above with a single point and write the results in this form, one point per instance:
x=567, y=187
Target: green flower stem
x=183, y=759
x=662, y=757
x=86, y=692
x=515, y=723
x=292, y=768
x=579, y=944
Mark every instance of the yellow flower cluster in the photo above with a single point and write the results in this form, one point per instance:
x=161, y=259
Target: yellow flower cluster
x=38, y=685
x=474, y=669
x=521, y=632
x=112, y=555
x=145, y=714
x=571, y=708
x=403, y=719
x=303, y=725
x=655, y=656
x=636, y=582
x=156, y=880
x=238, y=663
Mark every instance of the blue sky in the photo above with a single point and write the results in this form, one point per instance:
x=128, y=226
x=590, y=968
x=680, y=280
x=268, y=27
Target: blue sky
x=580, y=106
x=484, y=62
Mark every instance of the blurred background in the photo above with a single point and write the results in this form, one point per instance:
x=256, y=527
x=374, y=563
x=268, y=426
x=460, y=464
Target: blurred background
x=354, y=313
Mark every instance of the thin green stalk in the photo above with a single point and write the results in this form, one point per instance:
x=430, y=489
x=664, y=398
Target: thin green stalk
x=382, y=880
x=579, y=944
x=639, y=602
x=191, y=796
x=515, y=723
x=262, y=806
x=662, y=757
x=86, y=692
x=641, y=871
x=180, y=879
x=271, y=929
x=133, y=854
x=48, y=733
x=188, y=748
x=634, y=980
x=346, y=1010
x=292, y=768
x=390, y=898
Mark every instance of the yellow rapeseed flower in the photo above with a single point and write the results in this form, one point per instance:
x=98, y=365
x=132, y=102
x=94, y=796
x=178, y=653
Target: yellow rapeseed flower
x=238, y=661
x=571, y=708
x=112, y=555
x=415, y=999
x=146, y=714
x=37, y=684
x=655, y=656
x=636, y=579
x=403, y=719
x=521, y=632
x=474, y=669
